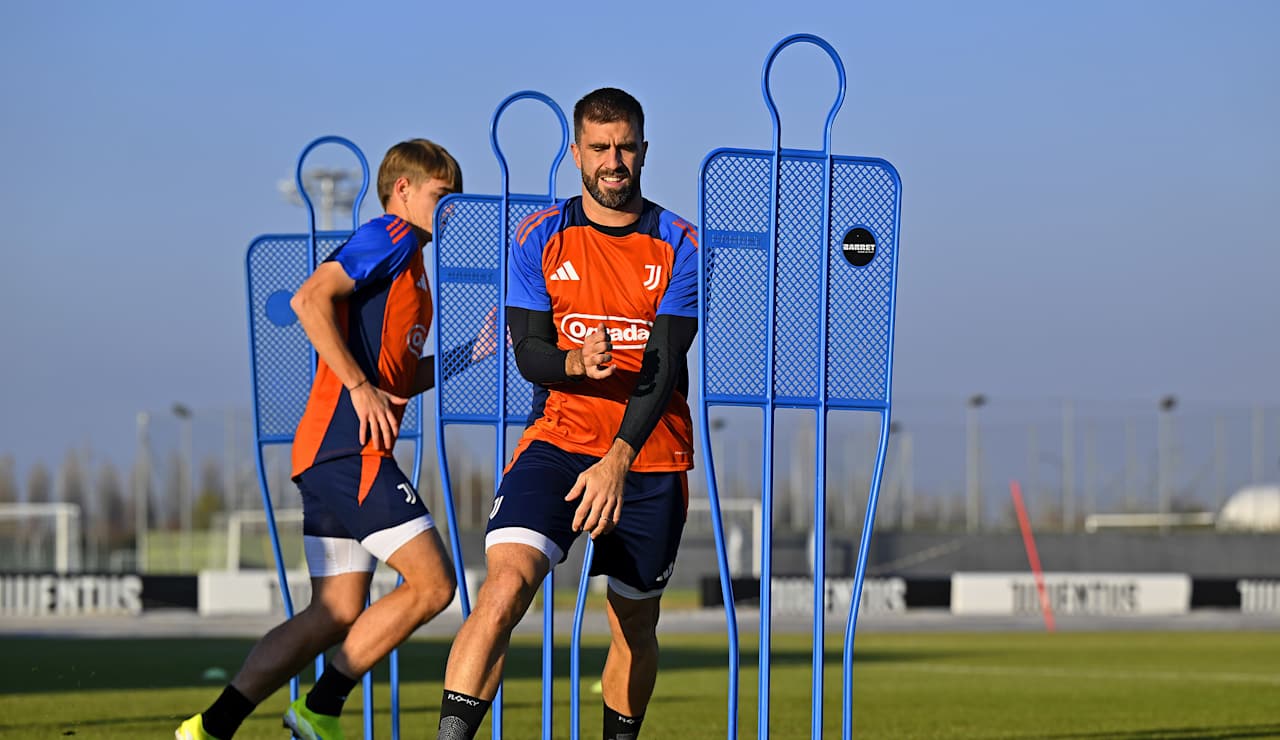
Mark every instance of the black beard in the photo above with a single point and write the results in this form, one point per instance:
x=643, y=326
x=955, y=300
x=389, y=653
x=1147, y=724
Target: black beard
x=613, y=198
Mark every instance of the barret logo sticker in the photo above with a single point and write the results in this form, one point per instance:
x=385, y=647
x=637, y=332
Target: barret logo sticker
x=631, y=334
x=859, y=246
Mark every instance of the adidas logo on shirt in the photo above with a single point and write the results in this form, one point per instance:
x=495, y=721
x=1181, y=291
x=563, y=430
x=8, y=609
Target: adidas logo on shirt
x=565, y=272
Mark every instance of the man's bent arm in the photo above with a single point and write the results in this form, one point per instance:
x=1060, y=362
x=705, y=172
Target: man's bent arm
x=533, y=337
x=664, y=356
x=315, y=304
x=455, y=361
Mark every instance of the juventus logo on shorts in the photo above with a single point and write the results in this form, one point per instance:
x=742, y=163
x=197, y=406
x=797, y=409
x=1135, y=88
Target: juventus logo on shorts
x=409, y=496
x=653, y=276
x=497, y=502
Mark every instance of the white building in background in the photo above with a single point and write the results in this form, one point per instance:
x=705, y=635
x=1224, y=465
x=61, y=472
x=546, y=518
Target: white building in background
x=1252, y=508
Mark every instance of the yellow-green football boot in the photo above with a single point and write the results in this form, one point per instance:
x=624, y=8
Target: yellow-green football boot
x=192, y=729
x=308, y=725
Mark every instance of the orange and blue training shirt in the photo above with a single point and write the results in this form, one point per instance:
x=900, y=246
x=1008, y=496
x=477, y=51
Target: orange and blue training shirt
x=384, y=324
x=586, y=274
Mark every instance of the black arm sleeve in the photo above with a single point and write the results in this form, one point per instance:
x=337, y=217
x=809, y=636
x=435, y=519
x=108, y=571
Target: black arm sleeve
x=455, y=361
x=533, y=337
x=664, y=363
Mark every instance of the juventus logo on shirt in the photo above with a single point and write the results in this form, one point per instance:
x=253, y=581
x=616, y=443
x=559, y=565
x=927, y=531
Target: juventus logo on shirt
x=565, y=272
x=653, y=276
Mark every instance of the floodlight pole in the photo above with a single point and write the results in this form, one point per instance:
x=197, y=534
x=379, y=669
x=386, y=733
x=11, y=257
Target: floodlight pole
x=901, y=476
x=1259, y=444
x=1219, y=462
x=1131, y=462
x=799, y=502
x=1164, y=454
x=141, y=492
x=973, y=483
x=183, y=413
x=1090, y=471
x=907, y=481
x=1068, y=466
x=1033, y=462
x=229, y=494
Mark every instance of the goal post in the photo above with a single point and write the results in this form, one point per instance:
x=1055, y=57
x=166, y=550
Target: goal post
x=742, y=527
x=245, y=526
x=25, y=528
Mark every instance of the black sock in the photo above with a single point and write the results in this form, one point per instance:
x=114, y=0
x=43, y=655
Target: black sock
x=460, y=715
x=330, y=691
x=224, y=715
x=619, y=726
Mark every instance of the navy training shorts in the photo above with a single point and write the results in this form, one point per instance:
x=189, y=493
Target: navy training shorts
x=638, y=555
x=363, y=498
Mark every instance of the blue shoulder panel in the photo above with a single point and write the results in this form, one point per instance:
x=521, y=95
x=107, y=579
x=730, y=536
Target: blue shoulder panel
x=380, y=248
x=681, y=298
x=526, y=285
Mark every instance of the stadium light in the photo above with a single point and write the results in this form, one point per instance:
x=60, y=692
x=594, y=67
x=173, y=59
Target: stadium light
x=330, y=189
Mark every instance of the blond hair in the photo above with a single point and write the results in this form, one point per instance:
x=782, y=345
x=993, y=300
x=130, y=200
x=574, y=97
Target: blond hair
x=418, y=160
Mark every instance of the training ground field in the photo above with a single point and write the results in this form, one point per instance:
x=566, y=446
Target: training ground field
x=1028, y=685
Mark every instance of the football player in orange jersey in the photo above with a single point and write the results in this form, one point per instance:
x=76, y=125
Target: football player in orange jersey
x=602, y=307
x=366, y=310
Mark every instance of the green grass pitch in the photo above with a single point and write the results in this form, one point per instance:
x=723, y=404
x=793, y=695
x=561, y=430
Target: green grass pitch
x=1129, y=686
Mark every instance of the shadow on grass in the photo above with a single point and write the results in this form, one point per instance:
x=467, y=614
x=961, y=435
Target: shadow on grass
x=46, y=725
x=1219, y=732
x=53, y=665
x=409, y=712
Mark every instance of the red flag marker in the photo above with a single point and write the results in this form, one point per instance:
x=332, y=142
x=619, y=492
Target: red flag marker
x=1015, y=490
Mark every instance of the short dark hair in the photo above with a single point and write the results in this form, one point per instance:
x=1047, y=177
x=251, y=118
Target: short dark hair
x=606, y=105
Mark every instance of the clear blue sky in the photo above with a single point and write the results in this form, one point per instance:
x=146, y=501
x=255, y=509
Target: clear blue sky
x=1090, y=187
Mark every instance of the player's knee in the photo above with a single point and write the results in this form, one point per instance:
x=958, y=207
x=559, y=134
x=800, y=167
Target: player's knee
x=504, y=599
x=638, y=647
x=429, y=593
x=638, y=629
x=436, y=597
x=334, y=620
